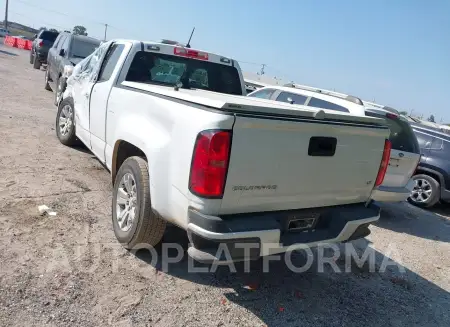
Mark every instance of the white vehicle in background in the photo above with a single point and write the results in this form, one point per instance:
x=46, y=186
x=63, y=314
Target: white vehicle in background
x=311, y=97
x=3, y=32
x=405, y=154
x=228, y=169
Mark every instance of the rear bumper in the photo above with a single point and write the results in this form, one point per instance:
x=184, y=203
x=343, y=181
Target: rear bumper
x=250, y=236
x=392, y=194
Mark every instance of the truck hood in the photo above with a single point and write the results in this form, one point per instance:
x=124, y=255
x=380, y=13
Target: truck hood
x=242, y=104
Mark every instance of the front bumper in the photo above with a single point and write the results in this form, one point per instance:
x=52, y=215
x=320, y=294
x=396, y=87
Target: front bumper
x=393, y=194
x=250, y=236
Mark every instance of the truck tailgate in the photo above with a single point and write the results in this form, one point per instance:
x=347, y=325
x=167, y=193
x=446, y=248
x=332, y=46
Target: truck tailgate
x=303, y=163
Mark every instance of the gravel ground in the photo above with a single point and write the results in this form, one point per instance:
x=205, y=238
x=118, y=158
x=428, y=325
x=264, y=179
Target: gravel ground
x=69, y=269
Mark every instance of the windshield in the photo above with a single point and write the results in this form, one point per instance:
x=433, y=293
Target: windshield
x=49, y=36
x=148, y=67
x=82, y=49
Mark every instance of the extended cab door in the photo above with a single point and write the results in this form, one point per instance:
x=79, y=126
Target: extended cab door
x=100, y=93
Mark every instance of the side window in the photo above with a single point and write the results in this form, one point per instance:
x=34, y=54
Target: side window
x=55, y=45
x=110, y=62
x=291, y=98
x=437, y=144
x=66, y=44
x=262, y=94
x=318, y=103
x=424, y=140
x=61, y=42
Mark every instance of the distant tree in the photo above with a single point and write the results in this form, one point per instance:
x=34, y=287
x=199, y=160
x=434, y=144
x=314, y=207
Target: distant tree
x=431, y=119
x=404, y=113
x=53, y=30
x=79, y=30
x=67, y=31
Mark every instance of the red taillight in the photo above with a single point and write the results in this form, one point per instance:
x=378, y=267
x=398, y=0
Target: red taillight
x=41, y=43
x=210, y=163
x=189, y=53
x=384, y=163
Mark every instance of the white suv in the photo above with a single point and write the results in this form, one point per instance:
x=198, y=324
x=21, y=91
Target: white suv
x=312, y=97
x=3, y=32
x=405, y=154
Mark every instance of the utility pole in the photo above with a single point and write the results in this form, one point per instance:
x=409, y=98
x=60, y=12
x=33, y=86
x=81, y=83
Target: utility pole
x=6, y=15
x=262, y=69
x=106, y=28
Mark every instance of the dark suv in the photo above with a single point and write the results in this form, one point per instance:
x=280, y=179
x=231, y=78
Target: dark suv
x=68, y=50
x=432, y=177
x=42, y=42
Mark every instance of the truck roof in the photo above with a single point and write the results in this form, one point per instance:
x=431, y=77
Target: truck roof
x=168, y=47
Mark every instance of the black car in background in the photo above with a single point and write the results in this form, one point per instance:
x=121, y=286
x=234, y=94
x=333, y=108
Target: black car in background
x=432, y=177
x=42, y=42
x=68, y=50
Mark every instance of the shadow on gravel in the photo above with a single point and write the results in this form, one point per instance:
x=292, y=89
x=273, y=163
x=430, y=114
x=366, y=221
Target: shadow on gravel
x=8, y=53
x=406, y=218
x=358, y=297
x=82, y=148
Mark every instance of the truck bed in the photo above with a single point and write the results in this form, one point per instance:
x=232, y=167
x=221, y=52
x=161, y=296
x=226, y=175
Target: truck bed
x=286, y=157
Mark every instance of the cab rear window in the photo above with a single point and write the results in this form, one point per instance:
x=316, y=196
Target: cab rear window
x=156, y=68
x=49, y=36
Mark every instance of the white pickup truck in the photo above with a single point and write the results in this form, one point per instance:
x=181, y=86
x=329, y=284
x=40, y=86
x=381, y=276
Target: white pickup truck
x=185, y=146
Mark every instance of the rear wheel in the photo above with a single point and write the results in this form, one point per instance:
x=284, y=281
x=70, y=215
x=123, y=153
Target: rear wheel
x=60, y=88
x=134, y=221
x=426, y=192
x=36, y=63
x=47, y=86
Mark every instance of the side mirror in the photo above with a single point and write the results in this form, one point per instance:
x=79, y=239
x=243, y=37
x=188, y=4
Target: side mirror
x=62, y=52
x=290, y=100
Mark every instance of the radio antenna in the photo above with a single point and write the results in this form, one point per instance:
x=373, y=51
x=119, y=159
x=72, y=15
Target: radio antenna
x=188, y=45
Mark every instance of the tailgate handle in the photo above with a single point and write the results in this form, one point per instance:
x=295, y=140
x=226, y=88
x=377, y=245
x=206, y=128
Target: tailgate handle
x=321, y=146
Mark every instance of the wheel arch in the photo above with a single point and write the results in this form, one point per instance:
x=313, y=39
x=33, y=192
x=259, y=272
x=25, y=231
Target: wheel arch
x=121, y=151
x=432, y=173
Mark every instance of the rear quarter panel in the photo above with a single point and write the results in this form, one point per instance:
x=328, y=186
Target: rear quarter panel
x=165, y=131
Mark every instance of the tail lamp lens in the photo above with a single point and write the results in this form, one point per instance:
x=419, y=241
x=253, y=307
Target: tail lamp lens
x=210, y=163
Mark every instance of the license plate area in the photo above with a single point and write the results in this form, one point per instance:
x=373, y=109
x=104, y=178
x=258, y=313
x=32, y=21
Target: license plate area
x=305, y=222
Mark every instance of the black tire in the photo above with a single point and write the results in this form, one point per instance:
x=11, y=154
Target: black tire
x=59, y=89
x=68, y=139
x=36, y=63
x=46, y=86
x=31, y=57
x=435, y=192
x=148, y=227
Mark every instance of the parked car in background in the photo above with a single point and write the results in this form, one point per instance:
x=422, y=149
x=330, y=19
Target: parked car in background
x=432, y=177
x=39, y=49
x=66, y=52
x=405, y=156
x=405, y=153
x=311, y=97
x=3, y=32
x=194, y=152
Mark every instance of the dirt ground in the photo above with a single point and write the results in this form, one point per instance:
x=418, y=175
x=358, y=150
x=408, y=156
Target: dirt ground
x=69, y=270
